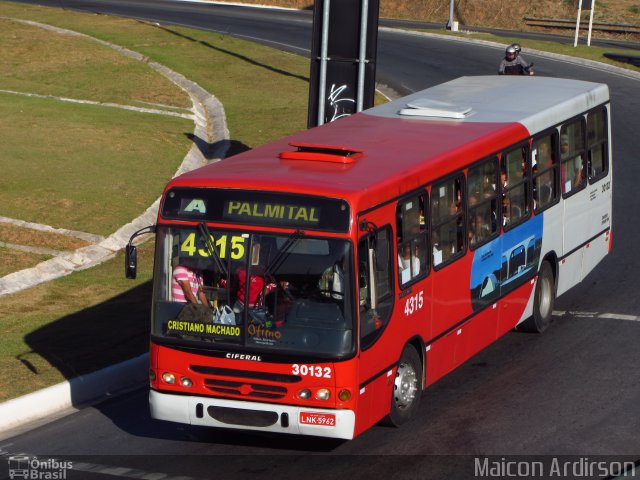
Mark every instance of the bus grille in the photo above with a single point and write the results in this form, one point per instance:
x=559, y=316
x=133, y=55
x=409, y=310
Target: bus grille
x=253, y=390
x=228, y=372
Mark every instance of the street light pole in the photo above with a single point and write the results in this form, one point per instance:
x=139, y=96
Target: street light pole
x=450, y=22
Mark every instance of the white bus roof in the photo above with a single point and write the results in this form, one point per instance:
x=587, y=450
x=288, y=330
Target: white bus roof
x=535, y=102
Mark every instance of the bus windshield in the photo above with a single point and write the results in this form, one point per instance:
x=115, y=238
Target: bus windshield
x=253, y=291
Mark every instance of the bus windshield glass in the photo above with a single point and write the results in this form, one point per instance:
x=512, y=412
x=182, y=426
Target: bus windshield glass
x=253, y=291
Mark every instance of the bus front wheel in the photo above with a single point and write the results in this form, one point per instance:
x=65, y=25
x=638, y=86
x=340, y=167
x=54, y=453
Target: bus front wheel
x=543, y=301
x=407, y=388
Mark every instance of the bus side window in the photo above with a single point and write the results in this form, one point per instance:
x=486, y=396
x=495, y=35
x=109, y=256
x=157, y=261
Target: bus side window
x=448, y=226
x=411, y=239
x=482, y=181
x=597, y=144
x=572, y=157
x=375, y=284
x=544, y=170
x=515, y=191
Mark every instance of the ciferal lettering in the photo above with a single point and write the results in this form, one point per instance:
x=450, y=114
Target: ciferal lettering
x=243, y=356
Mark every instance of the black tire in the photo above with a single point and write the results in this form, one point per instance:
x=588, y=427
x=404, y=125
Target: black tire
x=407, y=388
x=543, y=301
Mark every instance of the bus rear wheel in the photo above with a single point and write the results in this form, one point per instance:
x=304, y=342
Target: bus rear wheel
x=407, y=388
x=543, y=301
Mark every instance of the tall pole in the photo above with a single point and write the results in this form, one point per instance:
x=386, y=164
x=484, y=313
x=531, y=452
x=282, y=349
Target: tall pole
x=324, y=48
x=362, y=54
x=593, y=7
x=575, y=41
x=450, y=22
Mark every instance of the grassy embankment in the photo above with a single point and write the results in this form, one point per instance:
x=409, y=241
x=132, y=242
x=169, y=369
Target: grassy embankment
x=92, y=168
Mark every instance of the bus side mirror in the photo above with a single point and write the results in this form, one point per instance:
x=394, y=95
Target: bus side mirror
x=131, y=261
x=131, y=252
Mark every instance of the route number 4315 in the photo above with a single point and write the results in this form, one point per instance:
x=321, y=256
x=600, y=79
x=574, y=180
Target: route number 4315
x=414, y=303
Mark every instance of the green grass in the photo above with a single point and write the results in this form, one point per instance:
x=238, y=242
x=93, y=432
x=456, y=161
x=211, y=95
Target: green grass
x=248, y=78
x=83, y=157
x=74, y=325
x=84, y=167
x=44, y=62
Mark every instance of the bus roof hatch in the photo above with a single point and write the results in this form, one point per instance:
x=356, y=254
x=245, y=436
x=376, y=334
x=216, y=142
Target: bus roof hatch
x=426, y=107
x=322, y=153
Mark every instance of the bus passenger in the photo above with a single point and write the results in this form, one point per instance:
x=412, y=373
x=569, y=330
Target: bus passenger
x=258, y=290
x=331, y=282
x=187, y=286
x=543, y=190
x=572, y=171
x=408, y=265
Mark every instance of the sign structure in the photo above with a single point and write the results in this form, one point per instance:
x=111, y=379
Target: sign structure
x=343, y=59
x=249, y=207
x=584, y=5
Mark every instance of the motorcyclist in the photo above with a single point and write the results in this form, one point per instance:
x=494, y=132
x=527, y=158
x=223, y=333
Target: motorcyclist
x=513, y=63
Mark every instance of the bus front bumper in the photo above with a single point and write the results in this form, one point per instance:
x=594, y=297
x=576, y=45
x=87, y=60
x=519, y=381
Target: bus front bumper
x=266, y=417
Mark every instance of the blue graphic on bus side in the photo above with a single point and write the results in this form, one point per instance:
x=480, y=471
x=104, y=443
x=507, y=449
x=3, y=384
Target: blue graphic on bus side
x=506, y=262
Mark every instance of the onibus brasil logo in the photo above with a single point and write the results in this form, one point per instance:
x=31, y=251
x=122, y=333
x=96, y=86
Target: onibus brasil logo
x=30, y=467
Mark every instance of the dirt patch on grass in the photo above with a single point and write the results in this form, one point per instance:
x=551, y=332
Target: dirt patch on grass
x=36, y=238
x=14, y=260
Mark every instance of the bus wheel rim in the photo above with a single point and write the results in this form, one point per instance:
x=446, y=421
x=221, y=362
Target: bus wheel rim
x=545, y=297
x=405, y=386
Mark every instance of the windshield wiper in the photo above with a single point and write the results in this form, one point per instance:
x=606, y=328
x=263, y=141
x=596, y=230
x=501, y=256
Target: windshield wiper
x=283, y=253
x=211, y=248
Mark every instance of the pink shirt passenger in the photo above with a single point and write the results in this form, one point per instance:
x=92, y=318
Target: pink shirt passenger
x=181, y=273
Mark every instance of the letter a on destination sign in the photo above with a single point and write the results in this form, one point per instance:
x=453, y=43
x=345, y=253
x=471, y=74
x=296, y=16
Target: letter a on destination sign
x=195, y=205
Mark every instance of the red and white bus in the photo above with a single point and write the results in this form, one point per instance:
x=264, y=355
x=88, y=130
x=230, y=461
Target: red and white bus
x=382, y=251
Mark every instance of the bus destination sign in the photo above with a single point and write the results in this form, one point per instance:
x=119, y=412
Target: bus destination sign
x=241, y=207
x=300, y=215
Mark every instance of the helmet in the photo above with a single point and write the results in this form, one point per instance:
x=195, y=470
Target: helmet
x=510, y=52
x=517, y=47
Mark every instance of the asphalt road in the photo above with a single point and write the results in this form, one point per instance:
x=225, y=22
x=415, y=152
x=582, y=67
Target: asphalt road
x=572, y=391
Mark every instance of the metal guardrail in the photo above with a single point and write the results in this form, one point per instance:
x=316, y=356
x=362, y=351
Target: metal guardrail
x=571, y=25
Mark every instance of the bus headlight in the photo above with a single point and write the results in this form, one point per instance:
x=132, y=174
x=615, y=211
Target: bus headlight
x=304, y=394
x=323, y=394
x=186, y=382
x=169, y=378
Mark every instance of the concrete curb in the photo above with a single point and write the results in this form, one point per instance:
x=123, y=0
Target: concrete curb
x=76, y=392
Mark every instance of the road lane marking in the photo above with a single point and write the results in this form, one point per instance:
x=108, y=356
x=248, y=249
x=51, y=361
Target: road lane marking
x=607, y=316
